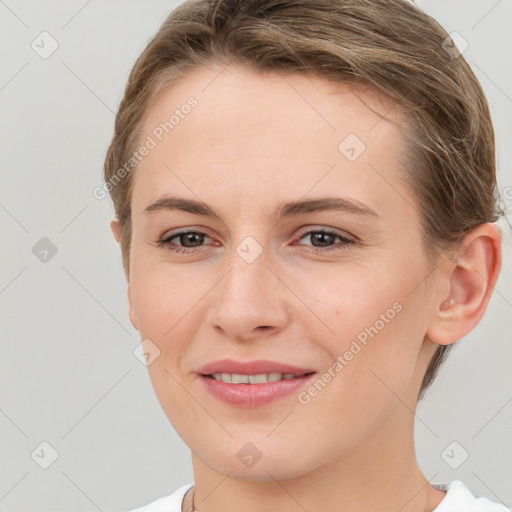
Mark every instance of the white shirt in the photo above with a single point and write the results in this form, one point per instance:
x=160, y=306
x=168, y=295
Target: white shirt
x=458, y=499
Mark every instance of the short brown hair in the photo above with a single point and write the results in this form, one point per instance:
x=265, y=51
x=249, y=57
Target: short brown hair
x=391, y=46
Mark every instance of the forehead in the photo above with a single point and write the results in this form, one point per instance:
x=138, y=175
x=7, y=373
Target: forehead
x=239, y=99
x=266, y=132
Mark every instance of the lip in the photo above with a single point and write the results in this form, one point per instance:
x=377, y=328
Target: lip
x=249, y=396
x=251, y=367
x=252, y=395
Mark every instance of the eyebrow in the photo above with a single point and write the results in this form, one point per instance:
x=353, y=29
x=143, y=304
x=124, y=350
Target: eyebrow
x=289, y=209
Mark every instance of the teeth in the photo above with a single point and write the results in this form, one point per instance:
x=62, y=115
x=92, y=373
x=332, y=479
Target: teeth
x=258, y=379
x=239, y=379
x=262, y=378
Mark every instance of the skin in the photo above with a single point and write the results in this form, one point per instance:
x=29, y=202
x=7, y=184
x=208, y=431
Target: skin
x=253, y=142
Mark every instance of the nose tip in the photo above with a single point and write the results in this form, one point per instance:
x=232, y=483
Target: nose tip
x=249, y=301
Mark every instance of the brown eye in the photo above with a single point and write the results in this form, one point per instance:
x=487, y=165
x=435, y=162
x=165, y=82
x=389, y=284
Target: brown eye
x=190, y=239
x=186, y=241
x=323, y=240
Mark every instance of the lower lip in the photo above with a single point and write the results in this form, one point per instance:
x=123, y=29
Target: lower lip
x=253, y=395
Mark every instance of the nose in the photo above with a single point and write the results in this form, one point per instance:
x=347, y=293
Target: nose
x=250, y=301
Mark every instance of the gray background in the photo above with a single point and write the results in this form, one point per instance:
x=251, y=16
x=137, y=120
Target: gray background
x=68, y=373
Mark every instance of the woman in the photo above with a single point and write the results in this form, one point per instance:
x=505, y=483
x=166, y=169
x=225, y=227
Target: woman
x=305, y=200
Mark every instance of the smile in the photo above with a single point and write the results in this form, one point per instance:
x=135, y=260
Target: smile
x=261, y=378
x=251, y=391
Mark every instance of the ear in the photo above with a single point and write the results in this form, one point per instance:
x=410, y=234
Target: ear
x=131, y=310
x=115, y=226
x=470, y=278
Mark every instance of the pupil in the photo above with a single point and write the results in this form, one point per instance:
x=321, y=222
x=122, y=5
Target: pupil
x=321, y=237
x=189, y=237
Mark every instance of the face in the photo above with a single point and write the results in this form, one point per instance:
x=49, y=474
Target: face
x=270, y=271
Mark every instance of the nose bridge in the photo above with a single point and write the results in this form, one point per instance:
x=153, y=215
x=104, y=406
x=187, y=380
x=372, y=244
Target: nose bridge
x=249, y=296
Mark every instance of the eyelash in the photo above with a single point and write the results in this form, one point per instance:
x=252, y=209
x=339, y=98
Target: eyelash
x=168, y=245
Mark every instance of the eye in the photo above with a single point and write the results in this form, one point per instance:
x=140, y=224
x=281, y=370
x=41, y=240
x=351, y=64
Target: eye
x=188, y=241
x=325, y=238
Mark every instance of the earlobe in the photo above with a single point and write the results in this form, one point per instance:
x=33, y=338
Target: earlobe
x=472, y=277
x=115, y=226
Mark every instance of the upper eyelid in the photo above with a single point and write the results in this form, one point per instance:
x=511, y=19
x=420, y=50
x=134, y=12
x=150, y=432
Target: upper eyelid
x=184, y=231
x=338, y=232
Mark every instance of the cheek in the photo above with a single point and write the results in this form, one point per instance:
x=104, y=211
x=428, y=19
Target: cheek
x=168, y=302
x=163, y=300
x=367, y=380
x=377, y=333
x=350, y=298
x=164, y=297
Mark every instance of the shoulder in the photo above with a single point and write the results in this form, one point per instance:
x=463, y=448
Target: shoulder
x=170, y=503
x=459, y=497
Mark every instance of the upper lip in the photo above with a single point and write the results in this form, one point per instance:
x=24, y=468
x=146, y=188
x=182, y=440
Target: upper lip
x=256, y=367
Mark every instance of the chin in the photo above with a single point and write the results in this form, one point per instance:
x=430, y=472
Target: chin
x=261, y=461
x=260, y=472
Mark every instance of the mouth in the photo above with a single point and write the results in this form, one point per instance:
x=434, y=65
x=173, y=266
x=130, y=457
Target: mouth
x=260, y=378
x=251, y=391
